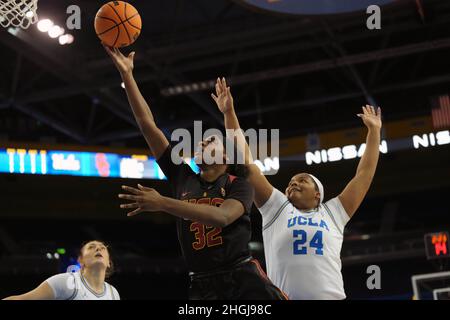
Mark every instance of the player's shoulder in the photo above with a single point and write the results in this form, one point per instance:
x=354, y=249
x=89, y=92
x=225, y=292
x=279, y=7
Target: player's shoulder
x=63, y=276
x=277, y=201
x=337, y=213
x=114, y=292
x=64, y=285
x=278, y=196
x=333, y=203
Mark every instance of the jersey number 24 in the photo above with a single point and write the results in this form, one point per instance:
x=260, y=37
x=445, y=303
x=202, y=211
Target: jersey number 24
x=301, y=246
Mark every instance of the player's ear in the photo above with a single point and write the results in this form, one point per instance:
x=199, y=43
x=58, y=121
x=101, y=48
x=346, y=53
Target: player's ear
x=80, y=261
x=317, y=197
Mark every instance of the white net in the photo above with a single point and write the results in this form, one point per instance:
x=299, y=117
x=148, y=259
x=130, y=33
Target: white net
x=18, y=13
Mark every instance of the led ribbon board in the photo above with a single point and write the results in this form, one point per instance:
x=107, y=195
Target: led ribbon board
x=313, y=7
x=86, y=164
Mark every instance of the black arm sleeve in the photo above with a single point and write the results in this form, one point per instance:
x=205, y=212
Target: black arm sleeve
x=176, y=173
x=241, y=190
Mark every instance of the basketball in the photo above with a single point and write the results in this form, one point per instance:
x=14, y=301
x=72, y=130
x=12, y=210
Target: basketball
x=118, y=24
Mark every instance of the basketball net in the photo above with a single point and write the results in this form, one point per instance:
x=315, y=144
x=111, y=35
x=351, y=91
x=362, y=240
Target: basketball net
x=18, y=13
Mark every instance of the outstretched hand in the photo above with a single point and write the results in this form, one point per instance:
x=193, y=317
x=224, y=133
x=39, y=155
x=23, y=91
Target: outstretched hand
x=223, y=97
x=124, y=64
x=145, y=199
x=370, y=117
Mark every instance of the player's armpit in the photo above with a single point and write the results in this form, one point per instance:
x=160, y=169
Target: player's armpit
x=263, y=188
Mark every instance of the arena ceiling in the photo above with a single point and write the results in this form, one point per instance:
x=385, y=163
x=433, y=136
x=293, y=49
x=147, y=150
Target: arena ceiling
x=297, y=73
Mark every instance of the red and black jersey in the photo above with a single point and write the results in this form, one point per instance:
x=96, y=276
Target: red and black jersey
x=206, y=248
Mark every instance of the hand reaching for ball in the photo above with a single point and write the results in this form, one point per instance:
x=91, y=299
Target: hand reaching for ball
x=124, y=64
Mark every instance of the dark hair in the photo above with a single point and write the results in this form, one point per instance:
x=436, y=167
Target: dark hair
x=238, y=170
x=110, y=269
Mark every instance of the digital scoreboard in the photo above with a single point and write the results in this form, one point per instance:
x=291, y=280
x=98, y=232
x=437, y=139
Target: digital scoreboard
x=436, y=245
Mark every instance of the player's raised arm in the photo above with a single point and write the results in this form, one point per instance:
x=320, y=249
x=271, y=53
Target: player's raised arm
x=356, y=189
x=141, y=110
x=224, y=101
x=42, y=292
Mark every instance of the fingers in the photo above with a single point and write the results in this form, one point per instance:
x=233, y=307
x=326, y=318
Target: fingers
x=129, y=197
x=118, y=52
x=214, y=97
x=372, y=111
x=131, y=55
x=132, y=190
x=229, y=92
x=224, y=83
x=129, y=205
x=218, y=87
x=369, y=110
x=135, y=212
x=141, y=187
x=221, y=84
x=108, y=50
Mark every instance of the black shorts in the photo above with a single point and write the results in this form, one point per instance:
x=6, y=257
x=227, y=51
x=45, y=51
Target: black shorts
x=243, y=281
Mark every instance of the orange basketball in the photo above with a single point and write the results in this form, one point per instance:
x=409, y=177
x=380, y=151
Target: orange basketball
x=118, y=24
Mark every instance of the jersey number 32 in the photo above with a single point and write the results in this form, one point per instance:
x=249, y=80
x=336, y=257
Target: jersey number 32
x=205, y=236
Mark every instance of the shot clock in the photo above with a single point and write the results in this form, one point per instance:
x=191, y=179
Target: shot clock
x=437, y=245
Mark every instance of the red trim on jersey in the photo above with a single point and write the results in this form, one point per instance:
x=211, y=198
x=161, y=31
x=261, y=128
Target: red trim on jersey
x=231, y=178
x=264, y=275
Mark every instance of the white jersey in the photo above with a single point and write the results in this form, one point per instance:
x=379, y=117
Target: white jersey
x=302, y=248
x=73, y=286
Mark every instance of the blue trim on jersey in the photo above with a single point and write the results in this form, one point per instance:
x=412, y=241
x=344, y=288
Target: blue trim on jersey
x=277, y=214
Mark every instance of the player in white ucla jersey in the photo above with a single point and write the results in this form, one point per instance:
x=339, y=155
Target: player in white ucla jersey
x=86, y=284
x=302, y=234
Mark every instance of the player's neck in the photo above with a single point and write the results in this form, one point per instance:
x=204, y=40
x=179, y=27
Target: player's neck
x=306, y=207
x=212, y=172
x=95, y=277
